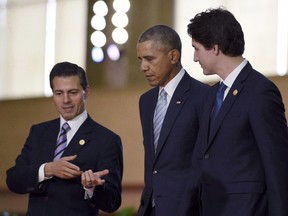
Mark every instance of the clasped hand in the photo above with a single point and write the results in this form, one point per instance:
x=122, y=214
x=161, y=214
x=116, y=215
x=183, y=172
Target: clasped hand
x=64, y=169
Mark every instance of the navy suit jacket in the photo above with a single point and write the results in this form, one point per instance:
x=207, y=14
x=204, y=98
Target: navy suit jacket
x=165, y=171
x=55, y=196
x=243, y=159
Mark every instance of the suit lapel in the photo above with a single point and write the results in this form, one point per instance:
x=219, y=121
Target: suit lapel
x=177, y=101
x=80, y=139
x=48, y=140
x=227, y=104
x=207, y=110
x=150, y=117
x=231, y=97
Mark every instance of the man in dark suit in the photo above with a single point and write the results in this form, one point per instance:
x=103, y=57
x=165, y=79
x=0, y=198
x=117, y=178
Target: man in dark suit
x=242, y=150
x=167, y=160
x=83, y=176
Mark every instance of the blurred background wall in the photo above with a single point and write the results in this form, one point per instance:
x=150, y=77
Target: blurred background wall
x=36, y=34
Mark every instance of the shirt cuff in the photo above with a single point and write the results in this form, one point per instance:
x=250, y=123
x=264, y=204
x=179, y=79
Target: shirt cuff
x=88, y=192
x=41, y=174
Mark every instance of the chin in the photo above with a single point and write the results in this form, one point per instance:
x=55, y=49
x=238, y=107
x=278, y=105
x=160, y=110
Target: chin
x=68, y=117
x=153, y=84
x=207, y=73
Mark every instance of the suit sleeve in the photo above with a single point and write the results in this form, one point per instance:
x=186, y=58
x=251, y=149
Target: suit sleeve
x=270, y=129
x=108, y=197
x=23, y=176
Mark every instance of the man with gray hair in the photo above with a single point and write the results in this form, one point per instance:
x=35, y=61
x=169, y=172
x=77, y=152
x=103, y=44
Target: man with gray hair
x=169, y=114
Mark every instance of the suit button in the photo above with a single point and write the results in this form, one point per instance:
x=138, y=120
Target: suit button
x=206, y=156
x=155, y=172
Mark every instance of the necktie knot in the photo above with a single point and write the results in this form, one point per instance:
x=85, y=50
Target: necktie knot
x=222, y=88
x=163, y=95
x=66, y=127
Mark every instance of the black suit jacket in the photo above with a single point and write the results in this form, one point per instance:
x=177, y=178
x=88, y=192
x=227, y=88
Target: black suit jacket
x=165, y=171
x=102, y=150
x=243, y=159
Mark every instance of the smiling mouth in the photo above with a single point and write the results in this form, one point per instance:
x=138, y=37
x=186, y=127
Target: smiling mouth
x=67, y=109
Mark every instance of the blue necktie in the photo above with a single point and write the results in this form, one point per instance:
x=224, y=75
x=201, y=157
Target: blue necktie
x=218, y=100
x=159, y=115
x=61, y=141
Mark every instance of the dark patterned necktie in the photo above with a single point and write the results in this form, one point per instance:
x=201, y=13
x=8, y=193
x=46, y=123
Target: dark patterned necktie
x=61, y=141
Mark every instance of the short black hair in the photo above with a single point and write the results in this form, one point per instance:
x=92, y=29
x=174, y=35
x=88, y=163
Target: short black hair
x=167, y=37
x=218, y=27
x=64, y=69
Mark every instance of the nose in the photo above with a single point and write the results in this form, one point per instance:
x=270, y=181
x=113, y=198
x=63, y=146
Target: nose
x=143, y=66
x=66, y=98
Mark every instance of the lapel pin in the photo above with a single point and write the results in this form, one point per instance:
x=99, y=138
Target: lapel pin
x=178, y=102
x=81, y=142
x=235, y=92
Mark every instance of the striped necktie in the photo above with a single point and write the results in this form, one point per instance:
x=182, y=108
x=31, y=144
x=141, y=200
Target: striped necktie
x=159, y=115
x=61, y=141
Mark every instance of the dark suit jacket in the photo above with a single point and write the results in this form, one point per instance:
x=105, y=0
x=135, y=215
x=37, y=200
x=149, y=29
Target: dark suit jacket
x=243, y=160
x=102, y=150
x=165, y=172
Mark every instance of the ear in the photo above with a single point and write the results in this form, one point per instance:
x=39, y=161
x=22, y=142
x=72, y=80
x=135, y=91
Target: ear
x=174, y=56
x=86, y=92
x=216, y=50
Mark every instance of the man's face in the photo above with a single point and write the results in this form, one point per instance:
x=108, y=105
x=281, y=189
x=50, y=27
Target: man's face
x=155, y=62
x=206, y=58
x=69, y=96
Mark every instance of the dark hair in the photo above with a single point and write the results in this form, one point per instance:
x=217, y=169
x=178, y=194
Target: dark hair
x=64, y=69
x=165, y=36
x=218, y=27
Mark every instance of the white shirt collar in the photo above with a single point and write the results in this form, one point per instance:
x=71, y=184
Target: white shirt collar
x=233, y=75
x=172, y=84
x=76, y=122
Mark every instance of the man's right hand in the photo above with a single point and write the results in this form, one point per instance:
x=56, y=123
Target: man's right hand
x=62, y=168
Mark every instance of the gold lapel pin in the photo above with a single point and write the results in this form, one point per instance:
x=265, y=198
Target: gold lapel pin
x=235, y=92
x=82, y=142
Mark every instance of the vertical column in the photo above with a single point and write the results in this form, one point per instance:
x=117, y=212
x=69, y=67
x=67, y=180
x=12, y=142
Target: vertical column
x=3, y=47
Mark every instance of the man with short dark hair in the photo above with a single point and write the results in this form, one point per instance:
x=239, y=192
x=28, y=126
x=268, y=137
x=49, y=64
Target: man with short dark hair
x=241, y=151
x=70, y=165
x=169, y=115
